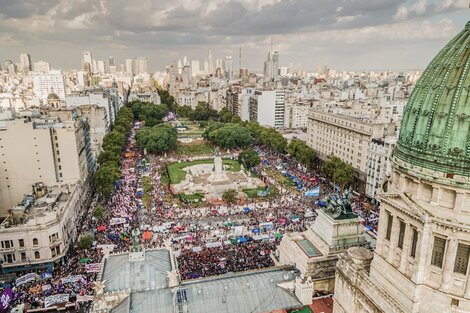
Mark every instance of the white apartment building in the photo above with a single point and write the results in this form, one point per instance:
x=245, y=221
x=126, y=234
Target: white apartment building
x=41, y=67
x=44, y=84
x=52, y=148
x=39, y=231
x=267, y=107
x=379, y=166
x=187, y=98
x=345, y=137
x=296, y=115
x=244, y=103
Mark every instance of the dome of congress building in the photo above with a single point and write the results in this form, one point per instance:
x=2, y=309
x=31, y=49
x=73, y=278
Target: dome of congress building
x=435, y=130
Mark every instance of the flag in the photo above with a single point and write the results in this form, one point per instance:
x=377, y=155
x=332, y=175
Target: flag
x=315, y=192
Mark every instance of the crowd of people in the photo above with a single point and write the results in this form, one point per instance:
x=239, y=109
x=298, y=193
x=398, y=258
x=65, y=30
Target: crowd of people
x=208, y=239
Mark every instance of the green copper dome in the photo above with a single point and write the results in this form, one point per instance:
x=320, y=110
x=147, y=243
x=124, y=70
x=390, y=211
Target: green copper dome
x=435, y=130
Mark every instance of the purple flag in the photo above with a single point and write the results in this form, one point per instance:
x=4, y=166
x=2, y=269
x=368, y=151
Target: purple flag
x=5, y=299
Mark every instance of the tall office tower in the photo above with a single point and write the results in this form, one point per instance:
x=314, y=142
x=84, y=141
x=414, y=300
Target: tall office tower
x=111, y=61
x=421, y=259
x=195, y=69
x=43, y=84
x=180, y=67
x=130, y=66
x=275, y=67
x=140, y=64
x=210, y=63
x=41, y=67
x=185, y=61
x=100, y=68
x=206, y=67
x=228, y=67
x=87, y=62
x=94, y=66
x=25, y=61
x=268, y=64
x=218, y=64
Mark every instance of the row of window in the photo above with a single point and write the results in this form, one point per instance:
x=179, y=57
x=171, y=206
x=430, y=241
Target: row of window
x=11, y=257
x=439, y=247
x=8, y=244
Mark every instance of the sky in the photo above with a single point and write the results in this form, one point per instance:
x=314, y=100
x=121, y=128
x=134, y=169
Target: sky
x=344, y=34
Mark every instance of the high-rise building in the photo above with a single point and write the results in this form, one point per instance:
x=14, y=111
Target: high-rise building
x=421, y=260
x=130, y=66
x=140, y=65
x=228, y=67
x=42, y=67
x=195, y=69
x=25, y=61
x=100, y=67
x=271, y=67
x=54, y=149
x=210, y=63
x=87, y=62
x=111, y=61
x=44, y=84
x=267, y=107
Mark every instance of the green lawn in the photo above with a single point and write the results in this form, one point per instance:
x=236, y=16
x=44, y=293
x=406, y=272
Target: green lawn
x=253, y=193
x=177, y=174
x=193, y=197
x=198, y=148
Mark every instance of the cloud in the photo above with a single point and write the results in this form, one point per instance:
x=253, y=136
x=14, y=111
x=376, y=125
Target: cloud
x=183, y=26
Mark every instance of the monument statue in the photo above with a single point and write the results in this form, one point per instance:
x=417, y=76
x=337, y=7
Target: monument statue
x=339, y=207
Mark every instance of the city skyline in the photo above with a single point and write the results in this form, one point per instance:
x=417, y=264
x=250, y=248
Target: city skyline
x=395, y=35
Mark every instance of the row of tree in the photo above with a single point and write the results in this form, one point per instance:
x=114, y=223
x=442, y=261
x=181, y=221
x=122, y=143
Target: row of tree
x=152, y=114
x=269, y=137
x=340, y=172
x=228, y=135
x=202, y=112
x=302, y=153
x=109, y=160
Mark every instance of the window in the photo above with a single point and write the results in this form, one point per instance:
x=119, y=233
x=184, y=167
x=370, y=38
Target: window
x=389, y=226
x=21, y=243
x=454, y=302
x=461, y=260
x=23, y=256
x=9, y=258
x=438, y=251
x=37, y=255
x=414, y=242
x=401, y=234
x=53, y=252
x=7, y=244
x=35, y=242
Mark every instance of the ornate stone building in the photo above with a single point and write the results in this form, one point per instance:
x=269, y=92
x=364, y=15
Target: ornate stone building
x=421, y=260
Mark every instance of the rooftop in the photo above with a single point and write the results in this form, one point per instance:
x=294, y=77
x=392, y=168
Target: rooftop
x=252, y=291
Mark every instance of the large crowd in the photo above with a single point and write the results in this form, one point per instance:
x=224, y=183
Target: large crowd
x=208, y=239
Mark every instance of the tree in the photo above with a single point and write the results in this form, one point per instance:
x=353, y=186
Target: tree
x=340, y=172
x=302, y=153
x=166, y=98
x=230, y=136
x=98, y=212
x=184, y=110
x=230, y=195
x=86, y=242
x=249, y=158
x=107, y=156
x=157, y=139
x=149, y=112
x=203, y=112
x=105, y=177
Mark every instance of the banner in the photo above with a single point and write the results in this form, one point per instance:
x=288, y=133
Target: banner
x=93, y=267
x=109, y=247
x=45, y=275
x=56, y=299
x=71, y=279
x=85, y=298
x=46, y=287
x=26, y=279
x=315, y=192
x=117, y=221
x=5, y=299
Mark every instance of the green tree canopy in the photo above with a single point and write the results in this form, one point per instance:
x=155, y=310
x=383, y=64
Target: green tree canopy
x=85, y=242
x=340, y=172
x=184, y=110
x=98, y=212
x=149, y=112
x=229, y=136
x=249, y=158
x=203, y=112
x=157, y=139
x=302, y=153
x=105, y=177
